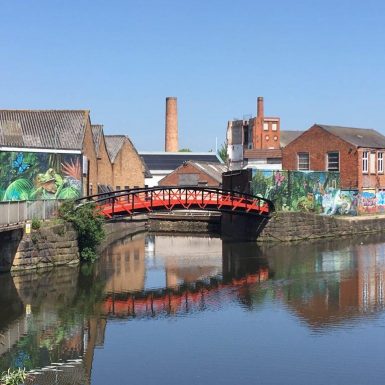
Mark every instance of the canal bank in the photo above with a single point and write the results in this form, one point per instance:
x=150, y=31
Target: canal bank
x=54, y=244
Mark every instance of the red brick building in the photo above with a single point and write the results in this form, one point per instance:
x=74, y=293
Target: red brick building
x=357, y=153
x=195, y=174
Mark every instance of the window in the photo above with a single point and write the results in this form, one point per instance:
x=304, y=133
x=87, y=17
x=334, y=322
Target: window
x=274, y=126
x=265, y=126
x=380, y=162
x=303, y=161
x=365, y=159
x=117, y=188
x=333, y=161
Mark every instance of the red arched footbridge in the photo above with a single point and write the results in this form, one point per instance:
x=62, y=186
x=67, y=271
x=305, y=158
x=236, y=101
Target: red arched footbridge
x=153, y=199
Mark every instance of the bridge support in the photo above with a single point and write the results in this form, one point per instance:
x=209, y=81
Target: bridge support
x=242, y=227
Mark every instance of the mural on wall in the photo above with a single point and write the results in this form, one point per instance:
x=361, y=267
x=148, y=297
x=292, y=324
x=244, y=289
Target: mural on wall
x=32, y=176
x=317, y=192
x=371, y=202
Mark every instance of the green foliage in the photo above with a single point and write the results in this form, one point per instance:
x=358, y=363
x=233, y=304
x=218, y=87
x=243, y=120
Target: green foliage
x=185, y=150
x=18, y=190
x=13, y=377
x=222, y=152
x=88, y=223
x=36, y=224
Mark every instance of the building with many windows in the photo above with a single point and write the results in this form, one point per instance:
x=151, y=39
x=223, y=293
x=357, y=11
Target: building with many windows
x=356, y=153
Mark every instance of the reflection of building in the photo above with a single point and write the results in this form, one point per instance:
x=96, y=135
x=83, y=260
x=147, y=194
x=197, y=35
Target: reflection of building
x=332, y=282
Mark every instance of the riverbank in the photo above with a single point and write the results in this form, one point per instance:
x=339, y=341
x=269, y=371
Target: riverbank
x=54, y=244
x=299, y=226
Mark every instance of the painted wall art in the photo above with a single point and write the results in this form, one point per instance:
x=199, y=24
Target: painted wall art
x=317, y=192
x=33, y=176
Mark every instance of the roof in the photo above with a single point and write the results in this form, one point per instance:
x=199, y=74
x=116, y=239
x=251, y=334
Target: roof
x=97, y=134
x=263, y=153
x=359, y=137
x=172, y=160
x=214, y=170
x=114, y=144
x=289, y=136
x=49, y=129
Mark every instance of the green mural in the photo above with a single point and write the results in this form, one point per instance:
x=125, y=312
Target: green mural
x=296, y=190
x=32, y=176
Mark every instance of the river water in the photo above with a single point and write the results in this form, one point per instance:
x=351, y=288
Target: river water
x=197, y=310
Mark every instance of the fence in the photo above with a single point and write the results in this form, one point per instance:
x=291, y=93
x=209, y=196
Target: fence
x=12, y=213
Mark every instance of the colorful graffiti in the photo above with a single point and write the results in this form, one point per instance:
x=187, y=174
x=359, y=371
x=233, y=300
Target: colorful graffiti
x=370, y=202
x=32, y=176
x=304, y=191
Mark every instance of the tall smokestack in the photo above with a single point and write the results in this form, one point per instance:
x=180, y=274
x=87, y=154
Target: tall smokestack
x=260, y=106
x=171, y=134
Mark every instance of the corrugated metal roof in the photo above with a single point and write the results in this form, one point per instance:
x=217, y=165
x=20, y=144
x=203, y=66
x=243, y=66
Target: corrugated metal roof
x=289, y=136
x=97, y=135
x=172, y=160
x=263, y=154
x=51, y=129
x=359, y=137
x=214, y=170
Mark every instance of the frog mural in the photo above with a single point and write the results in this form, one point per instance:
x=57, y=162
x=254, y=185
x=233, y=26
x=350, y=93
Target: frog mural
x=32, y=176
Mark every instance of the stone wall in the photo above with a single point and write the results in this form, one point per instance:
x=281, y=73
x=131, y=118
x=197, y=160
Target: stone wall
x=51, y=245
x=166, y=223
x=293, y=226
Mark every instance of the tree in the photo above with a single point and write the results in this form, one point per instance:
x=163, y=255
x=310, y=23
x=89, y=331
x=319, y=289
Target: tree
x=222, y=152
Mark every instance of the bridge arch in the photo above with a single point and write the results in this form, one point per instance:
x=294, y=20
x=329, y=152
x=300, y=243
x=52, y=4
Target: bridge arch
x=153, y=199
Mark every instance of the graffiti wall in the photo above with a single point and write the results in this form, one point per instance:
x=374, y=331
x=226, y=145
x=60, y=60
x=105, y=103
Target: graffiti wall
x=317, y=192
x=31, y=176
x=370, y=202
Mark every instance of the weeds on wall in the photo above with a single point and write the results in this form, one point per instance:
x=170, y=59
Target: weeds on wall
x=88, y=223
x=13, y=377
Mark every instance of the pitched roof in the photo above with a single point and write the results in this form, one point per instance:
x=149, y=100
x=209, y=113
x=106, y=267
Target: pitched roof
x=172, y=160
x=97, y=134
x=114, y=144
x=289, y=136
x=50, y=129
x=359, y=137
x=214, y=170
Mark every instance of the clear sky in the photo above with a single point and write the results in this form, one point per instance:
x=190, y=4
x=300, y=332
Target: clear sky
x=313, y=61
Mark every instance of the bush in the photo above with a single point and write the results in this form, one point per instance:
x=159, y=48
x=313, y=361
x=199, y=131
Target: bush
x=36, y=224
x=13, y=377
x=88, y=223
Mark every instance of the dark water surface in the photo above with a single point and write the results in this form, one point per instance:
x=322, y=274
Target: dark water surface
x=199, y=310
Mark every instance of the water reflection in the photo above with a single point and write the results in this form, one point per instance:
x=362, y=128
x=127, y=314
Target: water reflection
x=52, y=322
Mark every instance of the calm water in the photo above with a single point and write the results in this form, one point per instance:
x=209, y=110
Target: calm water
x=196, y=310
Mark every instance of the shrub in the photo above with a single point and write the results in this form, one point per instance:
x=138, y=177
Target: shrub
x=88, y=223
x=13, y=377
x=36, y=224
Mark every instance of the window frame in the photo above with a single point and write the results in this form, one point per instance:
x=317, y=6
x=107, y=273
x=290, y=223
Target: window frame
x=328, y=161
x=298, y=161
x=380, y=161
x=365, y=162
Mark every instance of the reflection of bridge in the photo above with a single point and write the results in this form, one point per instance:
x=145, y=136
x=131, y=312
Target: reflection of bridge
x=183, y=298
x=147, y=200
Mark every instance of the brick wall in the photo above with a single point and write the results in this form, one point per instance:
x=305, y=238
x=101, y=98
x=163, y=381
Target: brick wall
x=173, y=178
x=318, y=142
x=104, y=166
x=128, y=169
x=89, y=152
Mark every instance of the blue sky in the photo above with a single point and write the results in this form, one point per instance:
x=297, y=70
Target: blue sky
x=313, y=61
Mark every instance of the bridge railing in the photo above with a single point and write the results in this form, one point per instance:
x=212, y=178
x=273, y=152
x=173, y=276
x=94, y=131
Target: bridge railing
x=18, y=212
x=178, y=194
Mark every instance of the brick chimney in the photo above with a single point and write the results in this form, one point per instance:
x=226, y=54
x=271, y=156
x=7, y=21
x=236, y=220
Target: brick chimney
x=171, y=134
x=258, y=124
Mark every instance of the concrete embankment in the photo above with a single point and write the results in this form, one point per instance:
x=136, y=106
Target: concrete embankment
x=294, y=226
